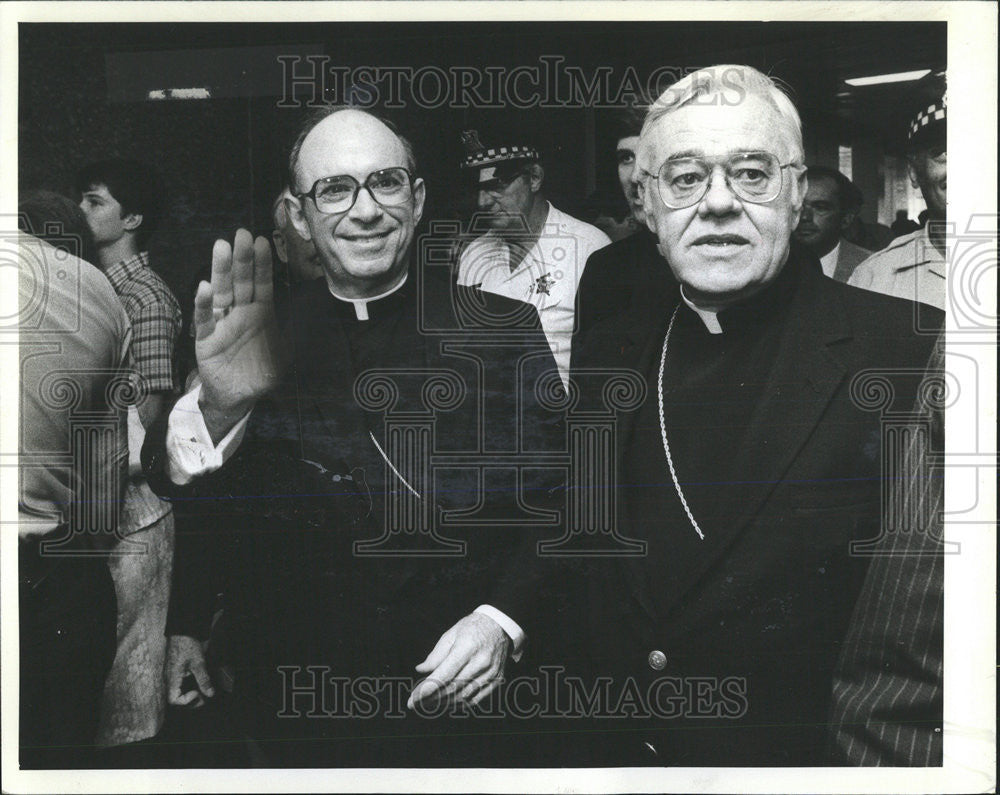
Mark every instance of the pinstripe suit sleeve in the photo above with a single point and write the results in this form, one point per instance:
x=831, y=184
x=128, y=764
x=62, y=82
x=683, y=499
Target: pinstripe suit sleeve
x=887, y=689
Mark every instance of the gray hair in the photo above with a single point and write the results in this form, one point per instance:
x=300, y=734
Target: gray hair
x=724, y=82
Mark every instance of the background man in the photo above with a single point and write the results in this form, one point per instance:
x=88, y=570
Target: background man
x=888, y=697
x=913, y=266
x=122, y=200
x=629, y=272
x=532, y=251
x=73, y=343
x=756, y=464
x=828, y=210
x=300, y=592
x=297, y=255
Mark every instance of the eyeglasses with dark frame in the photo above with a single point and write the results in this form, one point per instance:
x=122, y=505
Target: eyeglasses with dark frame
x=389, y=187
x=756, y=177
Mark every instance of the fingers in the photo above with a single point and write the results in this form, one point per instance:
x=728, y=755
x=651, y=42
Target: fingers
x=429, y=685
x=493, y=685
x=243, y=268
x=187, y=676
x=191, y=698
x=177, y=693
x=263, y=277
x=204, y=320
x=242, y=273
x=222, y=275
x=441, y=683
x=438, y=653
x=201, y=677
x=475, y=679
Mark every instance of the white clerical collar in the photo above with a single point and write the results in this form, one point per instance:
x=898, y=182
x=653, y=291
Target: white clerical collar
x=829, y=260
x=361, y=304
x=710, y=317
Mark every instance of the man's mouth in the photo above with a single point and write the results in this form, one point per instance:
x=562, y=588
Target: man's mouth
x=368, y=237
x=721, y=240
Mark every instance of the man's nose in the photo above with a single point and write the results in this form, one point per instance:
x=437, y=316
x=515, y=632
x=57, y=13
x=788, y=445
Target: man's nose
x=365, y=207
x=807, y=213
x=719, y=199
x=483, y=200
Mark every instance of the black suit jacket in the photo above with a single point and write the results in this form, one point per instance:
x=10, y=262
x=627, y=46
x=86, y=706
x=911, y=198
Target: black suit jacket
x=739, y=633
x=627, y=275
x=294, y=529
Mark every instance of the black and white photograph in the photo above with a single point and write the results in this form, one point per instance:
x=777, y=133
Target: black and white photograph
x=499, y=397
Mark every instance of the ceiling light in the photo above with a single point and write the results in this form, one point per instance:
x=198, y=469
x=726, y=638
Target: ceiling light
x=895, y=77
x=179, y=93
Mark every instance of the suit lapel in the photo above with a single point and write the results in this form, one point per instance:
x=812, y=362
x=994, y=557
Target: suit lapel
x=630, y=341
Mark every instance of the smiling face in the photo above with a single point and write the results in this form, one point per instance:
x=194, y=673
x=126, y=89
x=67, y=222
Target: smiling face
x=722, y=249
x=929, y=171
x=625, y=155
x=365, y=250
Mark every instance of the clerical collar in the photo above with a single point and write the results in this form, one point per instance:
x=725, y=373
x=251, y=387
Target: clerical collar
x=762, y=307
x=361, y=304
x=710, y=317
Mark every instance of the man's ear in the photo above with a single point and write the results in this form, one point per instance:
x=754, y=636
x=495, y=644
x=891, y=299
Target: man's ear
x=132, y=221
x=801, y=186
x=537, y=177
x=911, y=169
x=296, y=214
x=419, y=196
x=278, y=238
x=847, y=219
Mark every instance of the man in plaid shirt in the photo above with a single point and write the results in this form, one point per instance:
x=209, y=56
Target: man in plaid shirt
x=122, y=200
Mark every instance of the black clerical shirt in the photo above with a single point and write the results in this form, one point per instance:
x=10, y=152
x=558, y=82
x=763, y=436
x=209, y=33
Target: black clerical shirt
x=712, y=384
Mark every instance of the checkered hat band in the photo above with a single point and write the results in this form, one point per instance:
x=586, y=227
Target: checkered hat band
x=935, y=112
x=498, y=155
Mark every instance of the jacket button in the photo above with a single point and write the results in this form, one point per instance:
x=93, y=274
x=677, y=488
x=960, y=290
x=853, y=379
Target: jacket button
x=657, y=660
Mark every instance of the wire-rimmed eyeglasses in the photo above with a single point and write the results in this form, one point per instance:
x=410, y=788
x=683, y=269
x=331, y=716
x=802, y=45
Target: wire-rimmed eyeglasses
x=755, y=177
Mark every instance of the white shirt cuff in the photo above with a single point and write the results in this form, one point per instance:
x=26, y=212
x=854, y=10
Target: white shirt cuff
x=190, y=452
x=508, y=625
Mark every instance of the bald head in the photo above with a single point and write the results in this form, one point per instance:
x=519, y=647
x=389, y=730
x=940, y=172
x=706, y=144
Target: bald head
x=365, y=248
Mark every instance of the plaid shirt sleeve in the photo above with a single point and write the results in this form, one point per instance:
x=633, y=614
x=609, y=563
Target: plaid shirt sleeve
x=155, y=328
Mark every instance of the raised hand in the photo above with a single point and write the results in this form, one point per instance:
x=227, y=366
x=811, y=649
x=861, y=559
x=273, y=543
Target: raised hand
x=236, y=337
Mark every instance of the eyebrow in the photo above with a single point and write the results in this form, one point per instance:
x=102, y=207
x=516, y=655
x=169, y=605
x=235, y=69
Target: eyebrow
x=687, y=153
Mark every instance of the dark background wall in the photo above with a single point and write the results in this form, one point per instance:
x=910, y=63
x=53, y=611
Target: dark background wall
x=83, y=92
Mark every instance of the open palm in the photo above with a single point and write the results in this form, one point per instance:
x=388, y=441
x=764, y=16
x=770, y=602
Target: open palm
x=236, y=337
